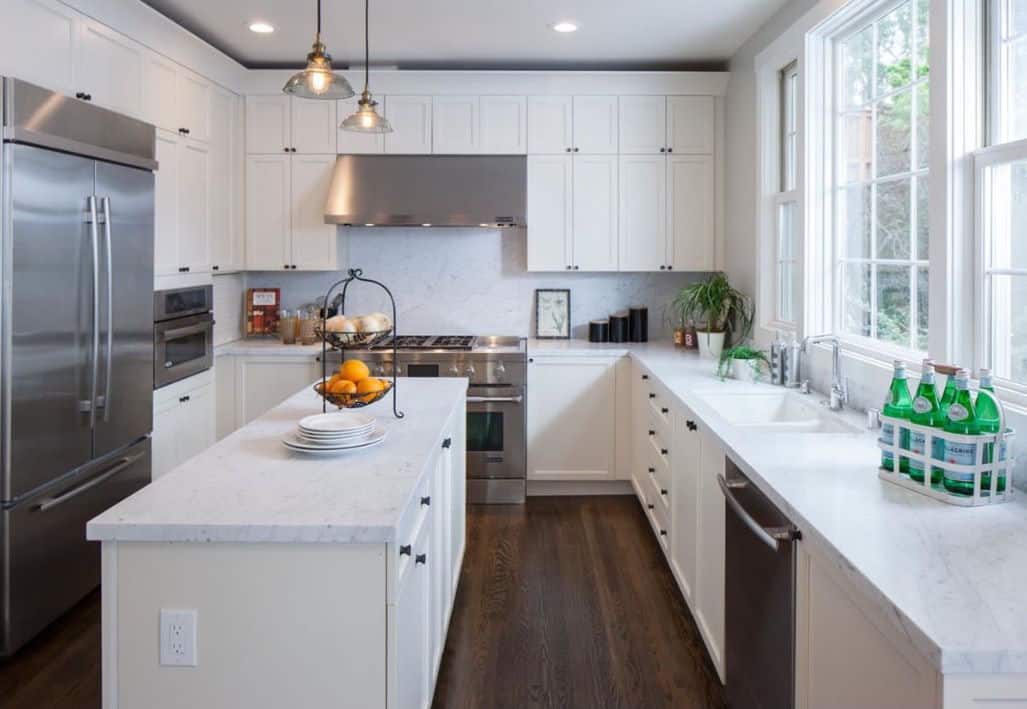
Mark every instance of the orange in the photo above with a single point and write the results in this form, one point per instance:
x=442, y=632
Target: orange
x=354, y=370
x=370, y=387
x=342, y=386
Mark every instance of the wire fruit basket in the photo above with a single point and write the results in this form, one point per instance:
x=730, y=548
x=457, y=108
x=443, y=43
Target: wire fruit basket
x=342, y=340
x=354, y=400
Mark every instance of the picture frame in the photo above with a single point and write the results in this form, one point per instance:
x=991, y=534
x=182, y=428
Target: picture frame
x=552, y=313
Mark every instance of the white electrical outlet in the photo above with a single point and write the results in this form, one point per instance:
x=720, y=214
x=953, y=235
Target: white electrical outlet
x=177, y=638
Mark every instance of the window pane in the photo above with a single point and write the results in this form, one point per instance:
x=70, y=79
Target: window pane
x=857, y=221
x=893, y=307
x=923, y=124
x=893, y=220
x=787, y=231
x=1016, y=91
x=856, y=299
x=894, y=49
x=923, y=219
x=1008, y=208
x=786, y=292
x=894, y=132
x=1017, y=17
x=922, y=284
x=1009, y=327
x=858, y=157
x=923, y=16
x=858, y=57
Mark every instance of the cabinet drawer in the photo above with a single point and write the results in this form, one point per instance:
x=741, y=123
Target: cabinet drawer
x=413, y=521
x=658, y=519
x=659, y=406
x=660, y=449
x=659, y=424
x=659, y=489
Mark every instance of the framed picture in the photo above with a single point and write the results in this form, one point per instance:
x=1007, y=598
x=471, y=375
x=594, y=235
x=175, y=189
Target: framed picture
x=552, y=313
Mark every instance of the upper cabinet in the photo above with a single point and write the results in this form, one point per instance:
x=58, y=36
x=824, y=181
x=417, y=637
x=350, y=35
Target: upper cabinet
x=643, y=125
x=283, y=124
x=643, y=213
x=493, y=125
x=226, y=246
x=160, y=92
x=193, y=97
x=455, y=127
x=579, y=124
x=690, y=125
x=313, y=127
x=504, y=125
x=671, y=124
x=45, y=25
x=182, y=198
x=595, y=125
x=109, y=68
x=691, y=232
x=411, y=119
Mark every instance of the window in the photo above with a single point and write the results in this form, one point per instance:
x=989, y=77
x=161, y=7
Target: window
x=786, y=236
x=880, y=163
x=1008, y=104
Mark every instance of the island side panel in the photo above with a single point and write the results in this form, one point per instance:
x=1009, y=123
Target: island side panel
x=277, y=624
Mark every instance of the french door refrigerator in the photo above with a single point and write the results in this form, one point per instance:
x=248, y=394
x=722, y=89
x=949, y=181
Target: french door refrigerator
x=76, y=342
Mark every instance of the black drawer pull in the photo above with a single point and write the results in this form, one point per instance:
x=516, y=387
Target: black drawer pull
x=421, y=559
x=447, y=443
x=645, y=377
x=652, y=432
x=691, y=425
x=663, y=491
x=215, y=268
x=663, y=532
x=651, y=506
x=405, y=550
x=426, y=501
x=652, y=470
x=664, y=410
x=183, y=399
x=664, y=451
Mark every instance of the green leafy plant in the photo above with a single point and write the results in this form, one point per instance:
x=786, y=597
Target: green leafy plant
x=717, y=303
x=742, y=352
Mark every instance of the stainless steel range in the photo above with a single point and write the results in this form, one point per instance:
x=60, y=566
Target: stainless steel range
x=497, y=370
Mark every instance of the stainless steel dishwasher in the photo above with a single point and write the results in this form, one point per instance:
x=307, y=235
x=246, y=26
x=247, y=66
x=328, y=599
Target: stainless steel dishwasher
x=760, y=597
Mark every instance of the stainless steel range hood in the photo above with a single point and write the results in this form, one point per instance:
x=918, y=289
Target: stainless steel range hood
x=428, y=190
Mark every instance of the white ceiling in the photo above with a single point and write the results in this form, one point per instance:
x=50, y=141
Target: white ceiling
x=613, y=34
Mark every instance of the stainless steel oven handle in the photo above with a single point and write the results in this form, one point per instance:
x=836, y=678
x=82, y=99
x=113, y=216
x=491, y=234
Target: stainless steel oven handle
x=771, y=536
x=105, y=203
x=188, y=330
x=495, y=399
x=94, y=233
x=51, y=502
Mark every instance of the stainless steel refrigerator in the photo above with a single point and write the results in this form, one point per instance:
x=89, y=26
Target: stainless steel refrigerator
x=76, y=342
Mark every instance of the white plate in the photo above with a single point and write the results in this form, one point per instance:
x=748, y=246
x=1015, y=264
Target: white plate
x=294, y=442
x=337, y=423
x=335, y=437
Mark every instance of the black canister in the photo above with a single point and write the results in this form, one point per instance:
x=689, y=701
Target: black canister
x=619, y=326
x=599, y=331
x=638, y=324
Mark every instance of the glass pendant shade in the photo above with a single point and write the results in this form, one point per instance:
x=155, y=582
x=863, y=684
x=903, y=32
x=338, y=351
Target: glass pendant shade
x=366, y=119
x=318, y=80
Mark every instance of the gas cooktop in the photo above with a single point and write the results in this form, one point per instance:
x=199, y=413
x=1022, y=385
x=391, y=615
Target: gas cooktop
x=449, y=343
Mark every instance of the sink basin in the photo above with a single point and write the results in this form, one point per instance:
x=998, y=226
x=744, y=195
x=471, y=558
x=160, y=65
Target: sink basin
x=778, y=412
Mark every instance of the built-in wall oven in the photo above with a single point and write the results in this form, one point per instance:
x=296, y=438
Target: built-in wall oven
x=183, y=333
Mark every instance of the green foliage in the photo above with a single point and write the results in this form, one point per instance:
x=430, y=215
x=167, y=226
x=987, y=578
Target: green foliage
x=717, y=303
x=741, y=352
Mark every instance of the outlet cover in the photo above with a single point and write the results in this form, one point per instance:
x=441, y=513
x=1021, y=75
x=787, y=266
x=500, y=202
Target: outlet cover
x=177, y=638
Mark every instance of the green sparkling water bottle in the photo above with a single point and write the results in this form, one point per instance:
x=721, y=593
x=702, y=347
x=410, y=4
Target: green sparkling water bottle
x=948, y=395
x=989, y=421
x=898, y=404
x=962, y=419
x=926, y=412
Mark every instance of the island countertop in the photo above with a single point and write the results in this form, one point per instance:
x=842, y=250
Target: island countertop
x=249, y=488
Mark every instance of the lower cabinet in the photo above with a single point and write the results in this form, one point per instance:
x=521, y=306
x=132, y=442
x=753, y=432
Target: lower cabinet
x=413, y=623
x=708, y=604
x=261, y=383
x=183, y=421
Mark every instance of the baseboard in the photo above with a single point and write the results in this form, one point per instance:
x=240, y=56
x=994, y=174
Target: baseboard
x=540, y=488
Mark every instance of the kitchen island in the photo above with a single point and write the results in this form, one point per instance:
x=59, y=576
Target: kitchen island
x=315, y=581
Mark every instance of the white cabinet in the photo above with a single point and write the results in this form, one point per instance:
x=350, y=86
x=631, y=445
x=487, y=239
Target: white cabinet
x=571, y=418
x=684, y=548
x=261, y=383
x=595, y=125
x=708, y=591
x=193, y=97
x=455, y=128
x=224, y=395
x=183, y=421
x=181, y=205
x=109, y=68
x=314, y=126
x=550, y=125
x=285, y=198
x=643, y=125
x=690, y=125
x=411, y=120
x=160, y=92
x=165, y=218
x=413, y=606
x=691, y=232
x=643, y=213
x=504, y=129
x=549, y=212
x=41, y=26
x=226, y=246
x=595, y=224
x=349, y=142
x=268, y=124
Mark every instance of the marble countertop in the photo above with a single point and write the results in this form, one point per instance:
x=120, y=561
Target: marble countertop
x=249, y=488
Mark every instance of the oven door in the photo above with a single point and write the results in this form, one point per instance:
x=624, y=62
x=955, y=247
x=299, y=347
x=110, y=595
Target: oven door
x=495, y=432
x=181, y=348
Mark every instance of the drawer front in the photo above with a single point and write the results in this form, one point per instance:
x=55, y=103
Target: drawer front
x=658, y=488
x=660, y=453
x=660, y=405
x=414, y=517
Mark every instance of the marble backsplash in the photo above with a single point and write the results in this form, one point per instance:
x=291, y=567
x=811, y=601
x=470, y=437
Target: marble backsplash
x=471, y=281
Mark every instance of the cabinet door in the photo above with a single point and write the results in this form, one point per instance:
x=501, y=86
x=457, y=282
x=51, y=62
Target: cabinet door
x=643, y=125
x=160, y=98
x=571, y=416
x=595, y=213
x=224, y=396
x=690, y=212
x=690, y=127
x=193, y=196
x=164, y=452
x=262, y=383
x=504, y=128
x=194, y=104
x=42, y=25
x=550, y=125
x=225, y=249
x=438, y=559
x=195, y=432
x=314, y=243
x=643, y=213
x=268, y=212
x=709, y=585
x=268, y=124
x=351, y=143
x=595, y=124
x=455, y=125
x=313, y=127
x=109, y=68
x=549, y=212
x=685, y=512
x=411, y=119
x=165, y=218
x=413, y=642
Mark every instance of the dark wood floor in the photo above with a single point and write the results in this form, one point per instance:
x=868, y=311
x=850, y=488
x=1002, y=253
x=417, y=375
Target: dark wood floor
x=564, y=602
x=568, y=602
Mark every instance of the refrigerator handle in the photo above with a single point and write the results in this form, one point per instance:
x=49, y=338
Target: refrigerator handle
x=94, y=230
x=105, y=204
x=51, y=502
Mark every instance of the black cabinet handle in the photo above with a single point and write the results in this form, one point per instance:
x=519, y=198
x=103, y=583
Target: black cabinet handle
x=663, y=491
x=215, y=268
x=663, y=150
x=80, y=94
x=183, y=269
x=691, y=425
x=531, y=359
x=447, y=443
x=652, y=396
x=421, y=559
x=576, y=268
x=286, y=267
x=285, y=149
x=645, y=377
x=576, y=150
x=652, y=470
x=664, y=410
x=294, y=150
x=669, y=267
x=651, y=506
x=568, y=150
x=664, y=451
x=663, y=532
x=405, y=550
x=87, y=97
x=426, y=501
x=652, y=432
x=569, y=267
x=183, y=399
x=663, y=268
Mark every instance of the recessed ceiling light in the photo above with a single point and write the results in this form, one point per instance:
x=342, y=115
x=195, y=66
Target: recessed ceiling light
x=261, y=27
x=369, y=224
x=565, y=26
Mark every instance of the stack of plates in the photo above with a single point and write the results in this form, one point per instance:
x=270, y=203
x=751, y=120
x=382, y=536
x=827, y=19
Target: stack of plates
x=327, y=434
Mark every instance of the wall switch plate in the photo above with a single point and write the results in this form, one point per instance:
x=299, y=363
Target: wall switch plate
x=177, y=638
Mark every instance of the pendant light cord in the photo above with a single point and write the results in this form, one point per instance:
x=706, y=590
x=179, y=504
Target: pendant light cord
x=318, y=20
x=367, y=44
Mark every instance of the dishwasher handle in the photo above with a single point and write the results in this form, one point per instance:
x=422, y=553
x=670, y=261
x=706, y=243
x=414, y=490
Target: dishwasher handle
x=771, y=536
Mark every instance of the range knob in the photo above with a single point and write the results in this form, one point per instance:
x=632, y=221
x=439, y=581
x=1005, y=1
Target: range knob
x=379, y=369
x=500, y=368
x=469, y=370
x=454, y=370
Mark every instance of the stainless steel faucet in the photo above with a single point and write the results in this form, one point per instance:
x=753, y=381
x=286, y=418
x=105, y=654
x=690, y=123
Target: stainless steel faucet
x=839, y=384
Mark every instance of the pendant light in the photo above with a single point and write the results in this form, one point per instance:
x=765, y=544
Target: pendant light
x=318, y=80
x=366, y=119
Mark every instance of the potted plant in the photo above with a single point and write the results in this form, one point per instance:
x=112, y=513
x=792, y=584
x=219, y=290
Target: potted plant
x=724, y=311
x=743, y=362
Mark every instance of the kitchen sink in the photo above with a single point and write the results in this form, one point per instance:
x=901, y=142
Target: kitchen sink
x=778, y=412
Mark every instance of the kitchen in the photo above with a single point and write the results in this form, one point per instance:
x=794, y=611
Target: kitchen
x=484, y=368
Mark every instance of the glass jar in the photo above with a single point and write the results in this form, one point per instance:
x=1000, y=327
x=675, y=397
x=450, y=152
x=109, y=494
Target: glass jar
x=287, y=324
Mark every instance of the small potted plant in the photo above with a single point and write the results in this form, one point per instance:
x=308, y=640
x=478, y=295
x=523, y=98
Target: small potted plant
x=742, y=362
x=724, y=311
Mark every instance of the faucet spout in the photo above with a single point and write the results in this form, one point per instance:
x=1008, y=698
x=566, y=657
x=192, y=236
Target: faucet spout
x=839, y=385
